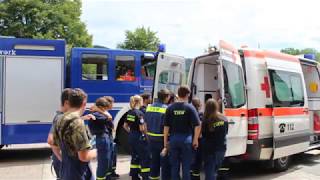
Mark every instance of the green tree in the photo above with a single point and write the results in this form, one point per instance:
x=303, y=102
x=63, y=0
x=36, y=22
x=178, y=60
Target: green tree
x=141, y=39
x=294, y=51
x=44, y=19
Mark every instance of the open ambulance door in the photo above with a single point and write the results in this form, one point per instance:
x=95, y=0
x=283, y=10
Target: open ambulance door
x=234, y=98
x=170, y=73
x=290, y=116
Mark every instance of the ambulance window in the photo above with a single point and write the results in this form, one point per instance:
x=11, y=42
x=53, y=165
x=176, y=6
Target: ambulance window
x=311, y=77
x=170, y=80
x=148, y=68
x=287, y=89
x=234, y=85
x=94, y=67
x=125, y=68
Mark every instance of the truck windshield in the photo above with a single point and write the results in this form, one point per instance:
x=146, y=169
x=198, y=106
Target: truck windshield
x=233, y=85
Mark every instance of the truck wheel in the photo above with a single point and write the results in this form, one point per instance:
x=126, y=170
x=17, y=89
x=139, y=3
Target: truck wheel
x=122, y=137
x=281, y=164
x=1, y=146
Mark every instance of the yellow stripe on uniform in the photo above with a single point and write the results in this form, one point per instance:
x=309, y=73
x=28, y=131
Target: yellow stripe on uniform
x=156, y=109
x=154, y=178
x=154, y=134
x=194, y=174
x=101, y=178
x=145, y=170
x=135, y=166
x=131, y=117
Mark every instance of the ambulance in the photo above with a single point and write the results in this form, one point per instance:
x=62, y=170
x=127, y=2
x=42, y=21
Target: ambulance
x=271, y=100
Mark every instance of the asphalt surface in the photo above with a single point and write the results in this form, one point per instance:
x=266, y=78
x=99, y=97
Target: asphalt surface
x=32, y=162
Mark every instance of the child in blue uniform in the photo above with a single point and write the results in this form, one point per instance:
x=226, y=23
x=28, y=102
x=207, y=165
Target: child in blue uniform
x=214, y=132
x=100, y=127
x=135, y=126
x=197, y=156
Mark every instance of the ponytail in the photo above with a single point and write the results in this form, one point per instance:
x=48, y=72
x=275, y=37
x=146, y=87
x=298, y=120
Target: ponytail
x=136, y=102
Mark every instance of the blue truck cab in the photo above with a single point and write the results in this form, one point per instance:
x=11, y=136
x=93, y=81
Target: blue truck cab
x=108, y=72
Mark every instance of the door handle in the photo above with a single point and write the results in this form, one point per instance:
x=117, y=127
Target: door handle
x=242, y=114
x=231, y=122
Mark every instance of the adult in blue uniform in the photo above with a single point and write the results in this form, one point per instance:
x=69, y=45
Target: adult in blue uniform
x=181, y=121
x=64, y=108
x=214, y=132
x=135, y=126
x=99, y=126
x=197, y=156
x=71, y=141
x=154, y=118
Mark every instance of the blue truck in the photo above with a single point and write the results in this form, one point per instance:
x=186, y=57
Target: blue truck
x=34, y=72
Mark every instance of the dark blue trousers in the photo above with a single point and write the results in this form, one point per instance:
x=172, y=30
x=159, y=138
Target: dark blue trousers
x=74, y=169
x=113, y=156
x=139, y=156
x=104, y=156
x=212, y=163
x=180, y=154
x=158, y=161
x=196, y=162
x=56, y=163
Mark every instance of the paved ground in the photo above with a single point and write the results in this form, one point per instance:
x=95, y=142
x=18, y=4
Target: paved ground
x=31, y=162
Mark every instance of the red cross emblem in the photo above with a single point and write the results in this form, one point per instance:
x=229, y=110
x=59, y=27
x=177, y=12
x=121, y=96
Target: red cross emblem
x=265, y=86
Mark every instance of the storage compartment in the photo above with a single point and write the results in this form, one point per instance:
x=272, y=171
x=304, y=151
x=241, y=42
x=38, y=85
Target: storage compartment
x=32, y=87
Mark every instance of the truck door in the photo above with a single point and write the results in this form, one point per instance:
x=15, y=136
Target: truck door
x=148, y=69
x=170, y=73
x=291, y=128
x=233, y=98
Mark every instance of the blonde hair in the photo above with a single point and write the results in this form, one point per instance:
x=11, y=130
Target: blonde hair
x=136, y=102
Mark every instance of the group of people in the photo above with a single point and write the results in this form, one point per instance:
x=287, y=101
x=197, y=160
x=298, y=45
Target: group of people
x=166, y=135
x=72, y=142
x=163, y=136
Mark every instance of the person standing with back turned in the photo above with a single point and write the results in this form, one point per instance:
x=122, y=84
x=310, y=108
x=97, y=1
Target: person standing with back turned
x=71, y=141
x=154, y=118
x=214, y=132
x=135, y=126
x=181, y=120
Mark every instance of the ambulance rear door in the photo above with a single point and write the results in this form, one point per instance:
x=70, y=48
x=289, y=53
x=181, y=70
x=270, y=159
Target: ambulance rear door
x=291, y=126
x=170, y=73
x=233, y=98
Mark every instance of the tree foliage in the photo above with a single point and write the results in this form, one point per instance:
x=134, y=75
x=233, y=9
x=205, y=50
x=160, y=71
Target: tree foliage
x=141, y=39
x=44, y=19
x=294, y=51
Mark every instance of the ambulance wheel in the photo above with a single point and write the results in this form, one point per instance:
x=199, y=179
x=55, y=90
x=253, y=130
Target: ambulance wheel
x=281, y=164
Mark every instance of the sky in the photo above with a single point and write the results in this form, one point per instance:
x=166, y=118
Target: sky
x=187, y=27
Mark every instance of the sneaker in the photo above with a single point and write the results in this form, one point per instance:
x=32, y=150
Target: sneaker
x=114, y=176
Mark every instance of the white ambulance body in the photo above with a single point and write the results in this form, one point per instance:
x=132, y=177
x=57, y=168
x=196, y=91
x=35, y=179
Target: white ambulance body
x=271, y=100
